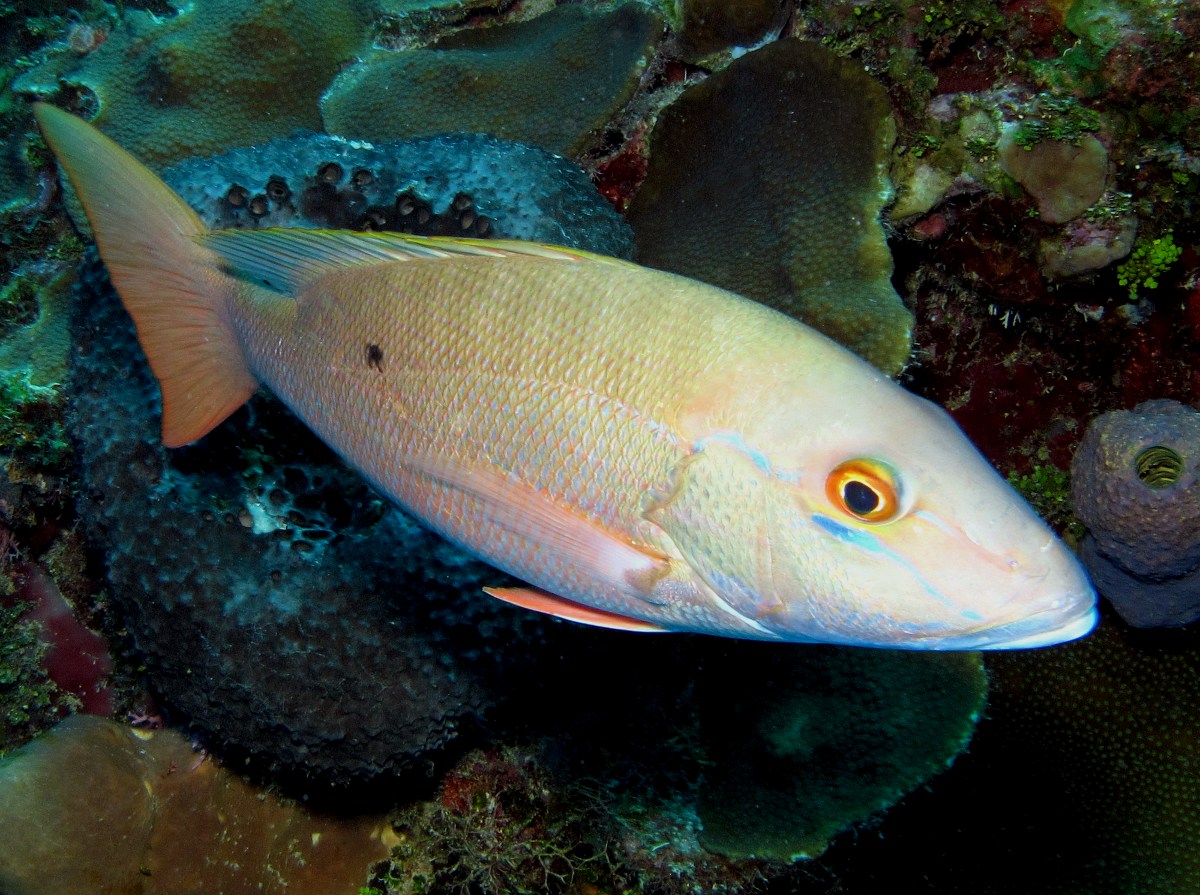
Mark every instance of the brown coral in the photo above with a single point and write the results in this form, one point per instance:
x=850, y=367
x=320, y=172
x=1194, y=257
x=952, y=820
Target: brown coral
x=552, y=81
x=218, y=74
x=766, y=179
x=93, y=806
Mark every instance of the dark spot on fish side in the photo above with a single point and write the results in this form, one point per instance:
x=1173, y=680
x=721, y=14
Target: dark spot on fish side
x=375, y=357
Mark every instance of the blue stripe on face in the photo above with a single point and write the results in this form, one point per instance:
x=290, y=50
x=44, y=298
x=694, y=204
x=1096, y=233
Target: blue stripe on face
x=736, y=441
x=860, y=539
x=866, y=541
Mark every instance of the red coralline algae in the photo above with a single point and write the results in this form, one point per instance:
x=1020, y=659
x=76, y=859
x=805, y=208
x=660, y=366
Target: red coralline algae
x=78, y=660
x=619, y=176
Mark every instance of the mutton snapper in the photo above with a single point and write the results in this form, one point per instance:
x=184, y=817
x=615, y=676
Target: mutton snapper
x=646, y=451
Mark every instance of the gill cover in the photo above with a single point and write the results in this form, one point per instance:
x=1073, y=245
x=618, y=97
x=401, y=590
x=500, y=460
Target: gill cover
x=718, y=514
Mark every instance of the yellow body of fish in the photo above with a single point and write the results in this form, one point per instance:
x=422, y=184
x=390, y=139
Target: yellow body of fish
x=646, y=451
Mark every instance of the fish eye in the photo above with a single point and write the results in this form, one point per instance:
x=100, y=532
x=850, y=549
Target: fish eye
x=864, y=488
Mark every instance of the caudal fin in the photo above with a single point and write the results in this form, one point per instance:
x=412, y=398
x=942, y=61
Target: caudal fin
x=169, y=282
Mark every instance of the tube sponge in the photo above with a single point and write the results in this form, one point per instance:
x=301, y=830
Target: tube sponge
x=1135, y=486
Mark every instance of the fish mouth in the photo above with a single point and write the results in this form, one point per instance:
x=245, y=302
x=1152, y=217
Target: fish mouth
x=1072, y=628
x=1045, y=628
x=1070, y=619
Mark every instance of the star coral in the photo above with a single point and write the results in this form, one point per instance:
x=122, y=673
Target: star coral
x=767, y=179
x=216, y=74
x=554, y=81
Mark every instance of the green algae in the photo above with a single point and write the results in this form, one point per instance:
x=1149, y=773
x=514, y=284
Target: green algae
x=29, y=700
x=1151, y=258
x=1048, y=490
x=768, y=179
x=554, y=81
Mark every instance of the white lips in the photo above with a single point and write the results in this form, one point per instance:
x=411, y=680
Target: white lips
x=1037, y=630
x=1071, y=629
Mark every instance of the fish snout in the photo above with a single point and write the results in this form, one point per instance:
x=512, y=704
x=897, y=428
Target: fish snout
x=1050, y=600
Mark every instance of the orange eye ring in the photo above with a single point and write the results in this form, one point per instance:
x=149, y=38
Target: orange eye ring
x=868, y=490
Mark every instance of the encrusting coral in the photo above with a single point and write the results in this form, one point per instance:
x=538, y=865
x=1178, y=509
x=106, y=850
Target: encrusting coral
x=807, y=134
x=838, y=735
x=216, y=74
x=449, y=185
x=94, y=806
x=553, y=81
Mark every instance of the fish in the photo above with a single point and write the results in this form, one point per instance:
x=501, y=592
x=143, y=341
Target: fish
x=645, y=452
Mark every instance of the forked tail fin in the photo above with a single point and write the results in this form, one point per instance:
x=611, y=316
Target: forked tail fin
x=170, y=284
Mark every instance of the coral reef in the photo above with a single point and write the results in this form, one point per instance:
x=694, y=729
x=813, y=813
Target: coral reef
x=93, y=806
x=36, y=351
x=76, y=658
x=214, y=75
x=1080, y=778
x=1135, y=486
x=453, y=184
x=554, y=81
x=30, y=701
x=1107, y=728
x=731, y=751
x=798, y=227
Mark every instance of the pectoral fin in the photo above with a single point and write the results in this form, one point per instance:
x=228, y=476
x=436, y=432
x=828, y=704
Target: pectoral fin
x=605, y=555
x=560, y=607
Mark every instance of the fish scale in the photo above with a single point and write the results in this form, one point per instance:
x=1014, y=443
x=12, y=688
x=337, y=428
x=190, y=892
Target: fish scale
x=447, y=388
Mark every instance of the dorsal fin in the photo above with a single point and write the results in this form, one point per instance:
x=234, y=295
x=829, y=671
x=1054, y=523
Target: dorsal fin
x=286, y=259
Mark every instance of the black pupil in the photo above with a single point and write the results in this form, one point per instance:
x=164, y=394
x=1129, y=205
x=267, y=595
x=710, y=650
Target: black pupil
x=860, y=499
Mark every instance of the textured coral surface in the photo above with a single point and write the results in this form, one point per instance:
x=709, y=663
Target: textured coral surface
x=95, y=806
x=765, y=179
x=553, y=82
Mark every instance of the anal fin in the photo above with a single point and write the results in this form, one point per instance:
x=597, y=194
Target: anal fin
x=547, y=603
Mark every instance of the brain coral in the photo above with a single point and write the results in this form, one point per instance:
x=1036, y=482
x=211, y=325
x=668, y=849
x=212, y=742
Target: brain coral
x=1136, y=487
x=452, y=184
x=278, y=603
x=217, y=74
x=552, y=81
x=767, y=179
